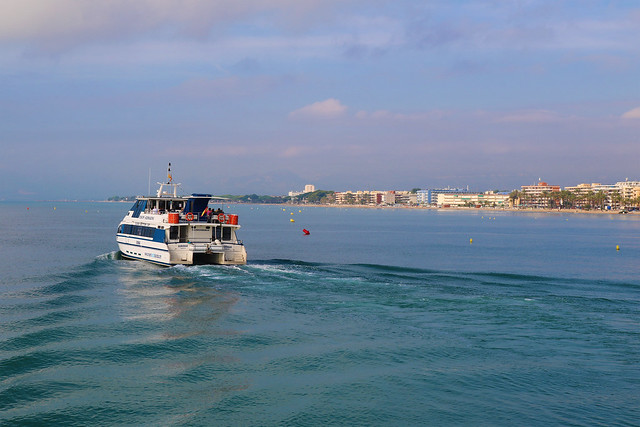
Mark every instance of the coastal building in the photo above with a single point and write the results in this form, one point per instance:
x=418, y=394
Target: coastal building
x=345, y=197
x=430, y=197
x=628, y=189
x=389, y=198
x=374, y=198
x=538, y=195
x=487, y=199
x=611, y=196
x=422, y=197
x=406, y=198
x=358, y=197
x=309, y=188
x=585, y=194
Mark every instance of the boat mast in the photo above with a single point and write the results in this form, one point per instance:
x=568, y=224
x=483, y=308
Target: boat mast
x=170, y=183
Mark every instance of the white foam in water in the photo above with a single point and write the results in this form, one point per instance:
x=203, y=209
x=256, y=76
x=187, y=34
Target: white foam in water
x=110, y=255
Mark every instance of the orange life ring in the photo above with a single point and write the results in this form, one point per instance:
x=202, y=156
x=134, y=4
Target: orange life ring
x=222, y=218
x=189, y=216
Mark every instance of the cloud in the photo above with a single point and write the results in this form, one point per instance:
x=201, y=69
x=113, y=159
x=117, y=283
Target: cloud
x=55, y=26
x=632, y=114
x=330, y=108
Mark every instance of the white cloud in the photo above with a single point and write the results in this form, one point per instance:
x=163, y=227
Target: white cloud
x=632, y=114
x=329, y=108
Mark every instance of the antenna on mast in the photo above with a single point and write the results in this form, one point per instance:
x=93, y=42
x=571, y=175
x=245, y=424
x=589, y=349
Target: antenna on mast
x=169, y=174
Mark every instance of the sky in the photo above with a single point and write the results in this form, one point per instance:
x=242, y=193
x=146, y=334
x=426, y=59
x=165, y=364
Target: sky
x=97, y=97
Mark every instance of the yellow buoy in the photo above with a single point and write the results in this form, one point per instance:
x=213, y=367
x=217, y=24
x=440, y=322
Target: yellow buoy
x=292, y=220
x=291, y=213
x=617, y=247
x=470, y=241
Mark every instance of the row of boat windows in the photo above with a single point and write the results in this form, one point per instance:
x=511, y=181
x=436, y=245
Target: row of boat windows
x=137, y=230
x=217, y=233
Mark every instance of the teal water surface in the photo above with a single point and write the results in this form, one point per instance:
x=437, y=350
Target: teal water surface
x=379, y=317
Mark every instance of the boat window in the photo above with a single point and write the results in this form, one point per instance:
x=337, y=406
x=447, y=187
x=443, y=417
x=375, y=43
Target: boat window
x=226, y=233
x=173, y=233
x=216, y=233
x=138, y=208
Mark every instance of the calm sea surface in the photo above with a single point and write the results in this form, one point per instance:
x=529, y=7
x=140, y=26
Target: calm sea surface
x=379, y=317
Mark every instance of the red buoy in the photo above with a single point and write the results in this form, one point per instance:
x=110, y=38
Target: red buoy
x=306, y=232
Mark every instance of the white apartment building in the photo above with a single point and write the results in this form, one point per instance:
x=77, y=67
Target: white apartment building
x=375, y=198
x=309, y=188
x=627, y=188
x=430, y=197
x=488, y=199
x=358, y=197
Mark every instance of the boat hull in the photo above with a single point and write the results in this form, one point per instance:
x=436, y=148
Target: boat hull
x=182, y=254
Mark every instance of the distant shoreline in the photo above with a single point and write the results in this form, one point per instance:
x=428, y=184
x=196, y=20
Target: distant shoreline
x=472, y=209
x=453, y=209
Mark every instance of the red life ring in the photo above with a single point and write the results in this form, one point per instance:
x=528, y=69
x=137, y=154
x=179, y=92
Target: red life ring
x=222, y=218
x=189, y=216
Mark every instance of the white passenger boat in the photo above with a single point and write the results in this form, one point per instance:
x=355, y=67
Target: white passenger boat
x=169, y=229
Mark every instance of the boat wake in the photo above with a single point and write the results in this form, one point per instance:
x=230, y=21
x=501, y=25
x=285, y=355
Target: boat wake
x=115, y=255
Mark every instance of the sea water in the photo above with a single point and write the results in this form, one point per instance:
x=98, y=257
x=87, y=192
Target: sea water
x=378, y=317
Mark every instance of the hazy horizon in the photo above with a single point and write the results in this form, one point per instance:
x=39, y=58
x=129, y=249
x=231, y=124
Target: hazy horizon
x=256, y=97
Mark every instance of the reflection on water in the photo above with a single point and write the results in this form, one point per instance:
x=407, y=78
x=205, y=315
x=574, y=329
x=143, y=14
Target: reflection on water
x=176, y=293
